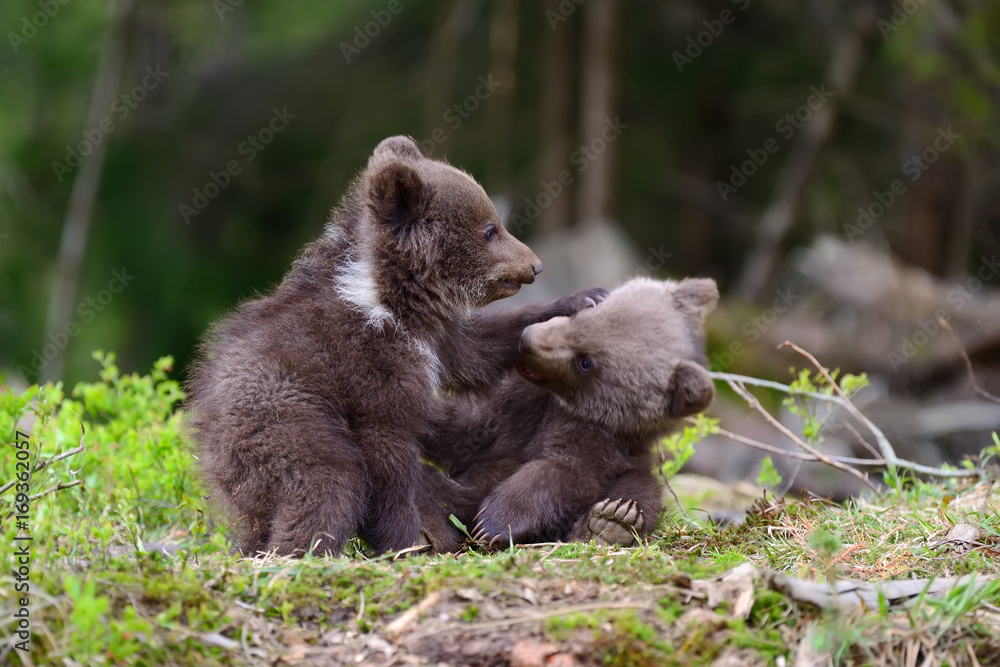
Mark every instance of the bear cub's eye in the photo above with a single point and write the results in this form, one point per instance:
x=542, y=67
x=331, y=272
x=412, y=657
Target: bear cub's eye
x=584, y=364
x=491, y=232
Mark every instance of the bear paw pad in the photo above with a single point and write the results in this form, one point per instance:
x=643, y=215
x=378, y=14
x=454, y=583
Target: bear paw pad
x=616, y=522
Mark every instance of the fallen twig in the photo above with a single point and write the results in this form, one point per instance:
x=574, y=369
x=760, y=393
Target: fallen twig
x=406, y=619
x=888, y=453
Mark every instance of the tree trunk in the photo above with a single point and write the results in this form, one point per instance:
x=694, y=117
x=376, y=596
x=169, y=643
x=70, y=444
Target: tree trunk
x=557, y=121
x=595, y=186
x=80, y=210
x=793, y=180
x=499, y=115
x=449, y=23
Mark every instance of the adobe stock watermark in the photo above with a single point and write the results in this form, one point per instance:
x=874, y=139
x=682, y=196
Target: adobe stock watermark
x=22, y=538
x=31, y=25
x=363, y=35
x=914, y=168
x=655, y=260
x=459, y=112
x=581, y=158
x=217, y=181
x=561, y=13
x=87, y=310
x=473, y=444
x=223, y=7
x=754, y=328
x=786, y=127
x=696, y=44
x=901, y=13
x=123, y=105
x=957, y=298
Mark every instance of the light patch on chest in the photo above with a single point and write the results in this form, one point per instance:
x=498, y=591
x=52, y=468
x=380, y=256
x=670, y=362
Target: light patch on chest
x=430, y=360
x=356, y=285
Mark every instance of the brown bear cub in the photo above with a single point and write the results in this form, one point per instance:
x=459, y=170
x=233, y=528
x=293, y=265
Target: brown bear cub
x=567, y=454
x=308, y=403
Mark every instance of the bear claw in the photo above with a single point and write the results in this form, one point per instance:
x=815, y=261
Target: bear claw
x=481, y=537
x=615, y=522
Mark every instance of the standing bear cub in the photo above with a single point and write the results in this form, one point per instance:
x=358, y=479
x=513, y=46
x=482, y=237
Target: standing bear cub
x=567, y=454
x=308, y=403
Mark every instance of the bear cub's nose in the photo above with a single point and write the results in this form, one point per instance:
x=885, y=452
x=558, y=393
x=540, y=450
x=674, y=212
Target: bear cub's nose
x=525, y=344
x=537, y=268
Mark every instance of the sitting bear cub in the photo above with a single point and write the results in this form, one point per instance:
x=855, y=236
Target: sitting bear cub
x=308, y=403
x=566, y=451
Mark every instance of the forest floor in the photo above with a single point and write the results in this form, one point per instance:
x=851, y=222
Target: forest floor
x=664, y=602
x=112, y=473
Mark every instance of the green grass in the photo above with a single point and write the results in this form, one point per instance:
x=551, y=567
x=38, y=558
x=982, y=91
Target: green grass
x=138, y=485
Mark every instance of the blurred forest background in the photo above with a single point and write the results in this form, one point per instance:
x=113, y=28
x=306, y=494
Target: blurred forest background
x=834, y=165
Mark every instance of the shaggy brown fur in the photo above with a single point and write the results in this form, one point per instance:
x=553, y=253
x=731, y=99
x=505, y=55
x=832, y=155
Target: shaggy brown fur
x=307, y=403
x=533, y=458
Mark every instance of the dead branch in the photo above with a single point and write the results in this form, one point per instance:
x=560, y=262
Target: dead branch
x=771, y=449
x=41, y=463
x=58, y=487
x=973, y=384
x=843, y=401
x=884, y=446
x=784, y=430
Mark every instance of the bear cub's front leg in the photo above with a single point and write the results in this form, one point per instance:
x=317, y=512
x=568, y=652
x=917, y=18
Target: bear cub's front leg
x=537, y=504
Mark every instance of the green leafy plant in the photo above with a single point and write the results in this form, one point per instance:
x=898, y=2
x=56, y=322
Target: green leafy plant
x=109, y=465
x=800, y=404
x=680, y=446
x=768, y=476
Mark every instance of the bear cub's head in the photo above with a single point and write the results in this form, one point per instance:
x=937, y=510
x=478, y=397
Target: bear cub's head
x=635, y=363
x=436, y=223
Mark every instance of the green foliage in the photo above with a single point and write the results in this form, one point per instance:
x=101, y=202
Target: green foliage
x=768, y=477
x=137, y=484
x=799, y=403
x=990, y=453
x=458, y=524
x=136, y=466
x=826, y=543
x=134, y=481
x=680, y=446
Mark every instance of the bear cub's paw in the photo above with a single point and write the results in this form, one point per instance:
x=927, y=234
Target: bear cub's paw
x=615, y=522
x=570, y=305
x=486, y=533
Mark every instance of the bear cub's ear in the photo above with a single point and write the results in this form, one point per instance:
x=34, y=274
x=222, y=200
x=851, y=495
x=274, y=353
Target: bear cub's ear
x=691, y=390
x=696, y=297
x=398, y=147
x=396, y=195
